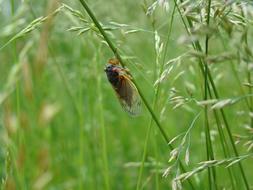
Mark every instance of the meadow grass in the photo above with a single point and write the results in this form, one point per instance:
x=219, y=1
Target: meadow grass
x=61, y=124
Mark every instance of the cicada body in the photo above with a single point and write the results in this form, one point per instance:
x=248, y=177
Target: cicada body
x=124, y=88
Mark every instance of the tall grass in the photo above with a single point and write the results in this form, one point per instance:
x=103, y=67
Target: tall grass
x=62, y=127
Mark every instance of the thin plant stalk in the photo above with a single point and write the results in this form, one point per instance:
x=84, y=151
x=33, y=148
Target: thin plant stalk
x=19, y=176
x=104, y=142
x=81, y=133
x=154, y=102
x=81, y=152
x=211, y=171
x=225, y=151
x=143, y=157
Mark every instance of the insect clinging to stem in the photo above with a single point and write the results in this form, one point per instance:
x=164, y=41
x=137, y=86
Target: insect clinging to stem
x=123, y=86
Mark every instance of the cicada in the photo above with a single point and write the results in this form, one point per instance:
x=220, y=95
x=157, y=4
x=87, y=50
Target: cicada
x=123, y=86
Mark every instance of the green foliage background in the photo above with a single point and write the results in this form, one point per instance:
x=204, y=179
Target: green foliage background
x=61, y=125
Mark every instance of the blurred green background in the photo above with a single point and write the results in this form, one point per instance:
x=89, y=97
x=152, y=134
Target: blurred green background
x=61, y=125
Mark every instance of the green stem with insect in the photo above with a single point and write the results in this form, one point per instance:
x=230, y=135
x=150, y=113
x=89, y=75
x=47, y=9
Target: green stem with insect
x=117, y=55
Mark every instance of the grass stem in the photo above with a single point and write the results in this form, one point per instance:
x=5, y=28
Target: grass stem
x=210, y=156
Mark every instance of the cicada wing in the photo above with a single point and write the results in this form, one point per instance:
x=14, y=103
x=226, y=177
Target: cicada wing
x=128, y=95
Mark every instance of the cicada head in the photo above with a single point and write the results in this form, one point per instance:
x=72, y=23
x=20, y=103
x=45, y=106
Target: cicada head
x=112, y=73
x=113, y=61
